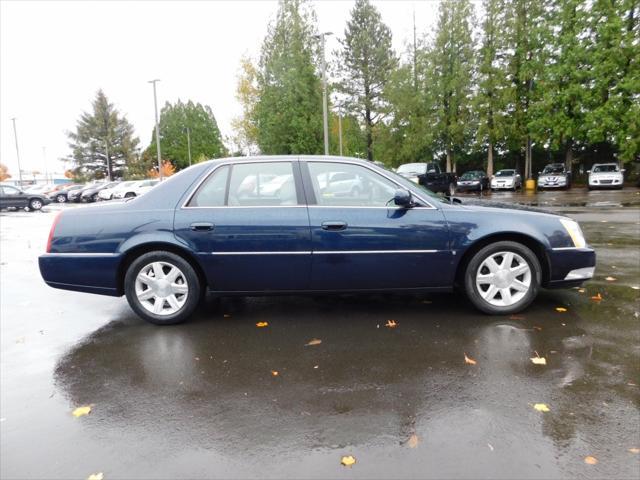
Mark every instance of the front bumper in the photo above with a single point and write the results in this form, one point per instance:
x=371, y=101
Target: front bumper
x=605, y=182
x=461, y=187
x=569, y=267
x=502, y=186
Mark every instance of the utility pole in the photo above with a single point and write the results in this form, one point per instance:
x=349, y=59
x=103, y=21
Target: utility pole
x=325, y=109
x=340, y=130
x=44, y=158
x=155, y=104
x=189, y=144
x=15, y=135
x=415, y=52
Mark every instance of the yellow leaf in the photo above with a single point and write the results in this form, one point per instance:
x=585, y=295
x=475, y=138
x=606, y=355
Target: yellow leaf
x=597, y=298
x=262, y=324
x=610, y=279
x=590, y=460
x=391, y=324
x=314, y=341
x=96, y=476
x=561, y=309
x=348, y=460
x=274, y=373
x=634, y=450
x=413, y=441
x=81, y=411
x=538, y=360
x=541, y=407
x=469, y=361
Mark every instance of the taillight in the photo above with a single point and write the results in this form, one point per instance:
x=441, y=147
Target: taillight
x=51, y=232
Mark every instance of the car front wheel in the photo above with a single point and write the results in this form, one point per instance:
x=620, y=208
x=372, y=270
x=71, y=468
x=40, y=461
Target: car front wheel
x=61, y=198
x=503, y=278
x=35, y=204
x=162, y=288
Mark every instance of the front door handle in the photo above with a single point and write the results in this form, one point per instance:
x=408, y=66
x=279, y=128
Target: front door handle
x=334, y=226
x=202, y=227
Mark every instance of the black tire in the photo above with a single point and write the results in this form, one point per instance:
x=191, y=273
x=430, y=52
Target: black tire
x=129, y=195
x=61, y=198
x=474, y=264
x=35, y=204
x=94, y=197
x=194, y=293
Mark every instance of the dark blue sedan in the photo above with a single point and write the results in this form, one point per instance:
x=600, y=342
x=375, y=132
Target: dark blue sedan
x=307, y=224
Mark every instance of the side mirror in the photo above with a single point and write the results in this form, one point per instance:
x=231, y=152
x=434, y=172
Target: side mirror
x=402, y=198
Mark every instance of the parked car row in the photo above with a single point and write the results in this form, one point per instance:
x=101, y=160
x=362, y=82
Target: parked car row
x=99, y=191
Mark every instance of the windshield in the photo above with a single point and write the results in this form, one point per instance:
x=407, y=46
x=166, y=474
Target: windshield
x=553, y=169
x=413, y=168
x=605, y=168
x=505, y=173
x=471, y=175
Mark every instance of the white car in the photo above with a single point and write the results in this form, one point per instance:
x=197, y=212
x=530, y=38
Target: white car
x=506, y=180
x=136, y=189
x=605, y=175
x=108, y=193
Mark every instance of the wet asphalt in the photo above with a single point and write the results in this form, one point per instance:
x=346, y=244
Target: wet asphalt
x=200, y=400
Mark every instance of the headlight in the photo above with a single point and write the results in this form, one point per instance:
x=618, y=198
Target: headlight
x=475, y=182
x=574, y=231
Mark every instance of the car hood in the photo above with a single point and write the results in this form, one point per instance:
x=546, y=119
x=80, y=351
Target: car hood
x=473, y=202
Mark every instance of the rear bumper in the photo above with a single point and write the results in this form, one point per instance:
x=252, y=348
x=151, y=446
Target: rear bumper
x=569, y=267
x=82, y=272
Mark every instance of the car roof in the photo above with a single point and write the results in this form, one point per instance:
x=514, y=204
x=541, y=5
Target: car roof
x=289, y=158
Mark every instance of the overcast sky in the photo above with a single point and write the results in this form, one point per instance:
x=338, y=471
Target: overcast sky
x=54, y=56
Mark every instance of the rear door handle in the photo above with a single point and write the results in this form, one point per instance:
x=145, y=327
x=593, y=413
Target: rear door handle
x=334, y=226
x=202, y=227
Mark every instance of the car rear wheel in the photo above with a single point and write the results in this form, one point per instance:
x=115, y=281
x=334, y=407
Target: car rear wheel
x=162, y=288
x=35, y=204
x=129, y=195
x=503, y=278
x=61, y=198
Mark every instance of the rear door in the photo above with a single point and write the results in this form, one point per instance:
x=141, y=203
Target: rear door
x=248, y=222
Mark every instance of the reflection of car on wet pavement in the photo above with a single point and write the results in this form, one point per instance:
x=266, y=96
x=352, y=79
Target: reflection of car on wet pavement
x=605, y=175
x=507, y=179
x=13, y=197
x=473, y=181
x=203, y=230
x=554, y=175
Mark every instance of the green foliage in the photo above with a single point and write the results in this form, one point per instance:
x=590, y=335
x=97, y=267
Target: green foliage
x=204, y=134
x=452, y=76
x=287, y=113
x=364, y=66
x=103, y=143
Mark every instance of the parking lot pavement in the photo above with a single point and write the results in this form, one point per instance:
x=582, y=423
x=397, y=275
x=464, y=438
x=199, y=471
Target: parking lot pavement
x=202, y=400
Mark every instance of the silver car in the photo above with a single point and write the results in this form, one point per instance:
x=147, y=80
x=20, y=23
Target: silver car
x=508, y=179
x=605, y=175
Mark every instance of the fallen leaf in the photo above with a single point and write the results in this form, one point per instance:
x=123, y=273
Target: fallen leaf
x=611, y=279
x=539, y=329
x=597, y=298
x=413, y=441
x=316, y=366
x=274, y=373
x=315, y=341
x=635, y=287
x=590, y=460
x=541, y=407
x=561, y=309
x=262, y=324
x=391, y=324
x=469, y=361
x=348, y=460
x=537, y=360
x=81, y=411
x=96, y=476
x=581, y=290
x=634, y=450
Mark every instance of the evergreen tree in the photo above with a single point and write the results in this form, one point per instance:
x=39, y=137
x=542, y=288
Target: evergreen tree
x=452, y=76
x=288, y=110
x=490, y=102
x=204, y=134
x=103, y=143
x=364, y=66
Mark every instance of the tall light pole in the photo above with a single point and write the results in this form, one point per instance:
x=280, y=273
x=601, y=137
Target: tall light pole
x=340, y=130
x=155, y=104
x=44, y=159
x=15, y=135
x=189, y=144
x=325, y=109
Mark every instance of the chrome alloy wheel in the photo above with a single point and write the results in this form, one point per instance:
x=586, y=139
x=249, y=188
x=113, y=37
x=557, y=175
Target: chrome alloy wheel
x=503, y=279
x=162, y=288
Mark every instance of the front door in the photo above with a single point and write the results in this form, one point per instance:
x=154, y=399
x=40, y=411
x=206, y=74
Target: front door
x=249, y=223
x=361, y=241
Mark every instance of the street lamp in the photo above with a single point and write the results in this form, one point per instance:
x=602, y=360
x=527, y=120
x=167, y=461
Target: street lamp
x=324, y=93
x=188, y=143
x=155, y=104
x=15, y=135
